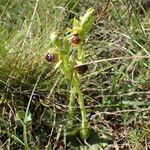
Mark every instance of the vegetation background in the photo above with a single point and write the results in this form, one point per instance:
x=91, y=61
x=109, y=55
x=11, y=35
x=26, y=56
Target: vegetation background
x=116, y=90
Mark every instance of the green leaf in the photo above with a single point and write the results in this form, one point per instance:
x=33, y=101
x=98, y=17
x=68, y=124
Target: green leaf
x=136, y=103
x=29, y=119
x=94, y=142
x=20, y=115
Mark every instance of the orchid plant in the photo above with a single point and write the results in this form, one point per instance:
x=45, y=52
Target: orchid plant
x=70, y=64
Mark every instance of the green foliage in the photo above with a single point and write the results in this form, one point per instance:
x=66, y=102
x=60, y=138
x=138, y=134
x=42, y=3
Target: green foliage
x=115, y=91
x=20, y=115
x=67, y=63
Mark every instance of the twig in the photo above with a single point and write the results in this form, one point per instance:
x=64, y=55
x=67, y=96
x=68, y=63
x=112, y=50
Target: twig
x=112, y=59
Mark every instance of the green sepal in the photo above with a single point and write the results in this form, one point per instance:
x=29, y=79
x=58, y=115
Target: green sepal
x=87, y=27
x=58, y=65
x=76, y=23
x=55, y=40
x=66, y=47
x=86, y=18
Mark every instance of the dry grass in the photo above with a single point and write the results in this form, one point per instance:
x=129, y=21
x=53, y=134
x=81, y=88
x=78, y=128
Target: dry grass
x=116, y=87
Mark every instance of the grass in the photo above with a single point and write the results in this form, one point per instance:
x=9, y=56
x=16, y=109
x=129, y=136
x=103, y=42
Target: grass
x=34, y=96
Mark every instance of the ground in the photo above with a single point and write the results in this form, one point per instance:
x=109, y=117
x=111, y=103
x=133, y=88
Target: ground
x=116, y=86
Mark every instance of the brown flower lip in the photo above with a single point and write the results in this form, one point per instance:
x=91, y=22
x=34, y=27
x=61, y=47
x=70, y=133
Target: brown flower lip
x=75, y=39
x=81, y=69
x=51, y=57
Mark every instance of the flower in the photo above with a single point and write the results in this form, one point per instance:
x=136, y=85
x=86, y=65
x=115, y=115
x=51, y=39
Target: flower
x=52, y=57
x=75, y=39
x=81, y=69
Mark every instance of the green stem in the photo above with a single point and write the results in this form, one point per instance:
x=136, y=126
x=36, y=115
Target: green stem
x=71, y=106
x=72, y=95
x=25, y=136
x=85, y=124
x=76, y=89
x=79, y=52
